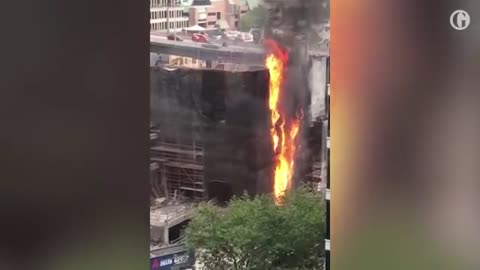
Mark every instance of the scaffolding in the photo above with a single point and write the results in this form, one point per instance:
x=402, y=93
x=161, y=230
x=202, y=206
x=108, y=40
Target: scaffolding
x=181, y=169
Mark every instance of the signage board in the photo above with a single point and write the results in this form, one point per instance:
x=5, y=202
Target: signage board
x=171, y=261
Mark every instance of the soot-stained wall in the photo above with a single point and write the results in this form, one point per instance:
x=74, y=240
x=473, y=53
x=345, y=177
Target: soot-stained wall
x=227, y=112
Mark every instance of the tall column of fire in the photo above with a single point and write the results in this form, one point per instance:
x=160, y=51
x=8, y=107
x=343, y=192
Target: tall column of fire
x=284, y=128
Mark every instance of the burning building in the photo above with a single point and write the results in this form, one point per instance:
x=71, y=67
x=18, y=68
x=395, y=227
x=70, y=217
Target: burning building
x=220, y=133
x=216, y=133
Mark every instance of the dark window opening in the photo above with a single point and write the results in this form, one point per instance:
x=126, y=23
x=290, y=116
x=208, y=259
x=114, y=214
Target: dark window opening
x=176, y=232
x=220, y=191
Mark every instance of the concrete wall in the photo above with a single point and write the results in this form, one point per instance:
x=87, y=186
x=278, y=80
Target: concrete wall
x=318, y=86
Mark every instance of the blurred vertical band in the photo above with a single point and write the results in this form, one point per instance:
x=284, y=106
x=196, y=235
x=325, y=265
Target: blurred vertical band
x=327, y=191
x=405, y=99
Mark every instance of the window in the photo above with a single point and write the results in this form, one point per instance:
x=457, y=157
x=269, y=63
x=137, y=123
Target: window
x=236, y=24
x=219, y=15
x=212, y=14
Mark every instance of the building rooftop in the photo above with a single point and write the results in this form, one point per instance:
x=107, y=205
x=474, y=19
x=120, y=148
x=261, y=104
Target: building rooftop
x=163, y=215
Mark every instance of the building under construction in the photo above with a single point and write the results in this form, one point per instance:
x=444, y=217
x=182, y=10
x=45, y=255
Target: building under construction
x=210, y=136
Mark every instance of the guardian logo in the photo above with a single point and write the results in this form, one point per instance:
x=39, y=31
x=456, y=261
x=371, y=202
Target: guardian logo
x=460, y=19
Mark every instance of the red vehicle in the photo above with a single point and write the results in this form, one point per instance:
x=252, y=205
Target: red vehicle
x=200, y=38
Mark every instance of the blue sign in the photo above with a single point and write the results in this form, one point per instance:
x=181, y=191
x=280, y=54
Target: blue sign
x=167, y=262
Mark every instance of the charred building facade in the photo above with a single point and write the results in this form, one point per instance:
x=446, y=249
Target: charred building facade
x=211, y=133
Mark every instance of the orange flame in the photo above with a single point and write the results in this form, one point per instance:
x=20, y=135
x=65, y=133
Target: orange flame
x=283, y=130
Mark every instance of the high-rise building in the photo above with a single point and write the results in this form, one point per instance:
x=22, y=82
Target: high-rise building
x=167, y=16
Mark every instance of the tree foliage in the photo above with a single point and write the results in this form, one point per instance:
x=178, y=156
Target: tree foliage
x=256, y=234
x=255, y=18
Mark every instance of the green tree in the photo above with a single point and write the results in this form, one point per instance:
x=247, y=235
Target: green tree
x=256, y=234
x=255, y=18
